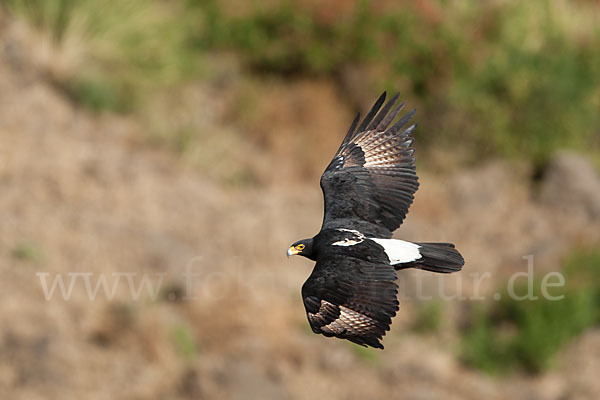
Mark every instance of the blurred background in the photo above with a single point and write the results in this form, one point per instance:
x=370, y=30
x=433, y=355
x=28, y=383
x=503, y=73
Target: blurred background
x=147, y=140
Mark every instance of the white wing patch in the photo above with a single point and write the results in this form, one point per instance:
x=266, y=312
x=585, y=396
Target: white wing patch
x=399, y=251
x=350, y=241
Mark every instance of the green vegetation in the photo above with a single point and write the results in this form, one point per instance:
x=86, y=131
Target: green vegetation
x=287, y=40
x=28, y=252
x=52, y=16
x=526, y=334
x=515, y=79
x=429, y=317
x=507, y=78
x=184, y=340
x=111, y=57
x=366, y=354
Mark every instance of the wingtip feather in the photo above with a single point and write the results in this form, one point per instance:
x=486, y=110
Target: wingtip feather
x=372, y=112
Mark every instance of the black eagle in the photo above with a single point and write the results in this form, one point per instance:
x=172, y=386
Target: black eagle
x=368, y=187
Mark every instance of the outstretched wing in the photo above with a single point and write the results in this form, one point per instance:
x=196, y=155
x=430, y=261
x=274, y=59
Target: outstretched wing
x=370, y=183
x=351, y=299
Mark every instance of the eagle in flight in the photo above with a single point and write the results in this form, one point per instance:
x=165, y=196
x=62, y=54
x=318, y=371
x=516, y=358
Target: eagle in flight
x=368, y=187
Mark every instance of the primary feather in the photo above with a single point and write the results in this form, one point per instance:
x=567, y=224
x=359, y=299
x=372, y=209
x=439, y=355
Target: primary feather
x=370, y=183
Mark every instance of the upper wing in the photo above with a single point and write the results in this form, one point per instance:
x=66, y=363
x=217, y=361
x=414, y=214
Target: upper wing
x=370, y=183
x=351, y=299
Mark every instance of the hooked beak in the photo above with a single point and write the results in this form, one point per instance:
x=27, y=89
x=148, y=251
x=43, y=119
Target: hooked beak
x=292, y=251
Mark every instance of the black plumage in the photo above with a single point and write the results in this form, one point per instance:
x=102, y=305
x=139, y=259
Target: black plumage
x=368, y=188
x=370, y=183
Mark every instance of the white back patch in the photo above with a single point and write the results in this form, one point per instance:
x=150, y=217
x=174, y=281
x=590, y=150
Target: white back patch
x=399, y=251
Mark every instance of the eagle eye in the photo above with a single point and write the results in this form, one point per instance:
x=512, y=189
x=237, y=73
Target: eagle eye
x=300, y=247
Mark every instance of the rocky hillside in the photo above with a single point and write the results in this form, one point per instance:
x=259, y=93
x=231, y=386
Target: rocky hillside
x=90, y=195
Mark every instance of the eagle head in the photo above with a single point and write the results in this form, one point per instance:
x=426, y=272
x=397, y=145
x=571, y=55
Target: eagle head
x=302, y=247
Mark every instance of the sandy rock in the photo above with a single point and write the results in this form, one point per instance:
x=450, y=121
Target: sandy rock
x=573, y=185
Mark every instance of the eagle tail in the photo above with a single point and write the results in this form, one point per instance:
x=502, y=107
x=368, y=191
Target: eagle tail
x=439, y=257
